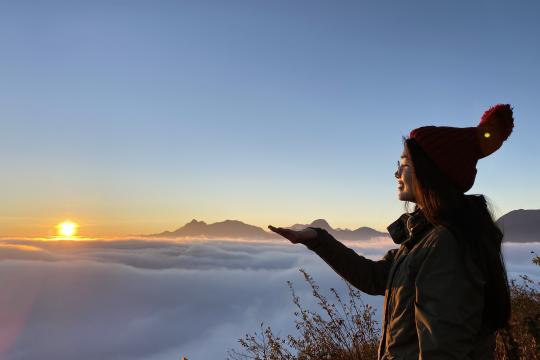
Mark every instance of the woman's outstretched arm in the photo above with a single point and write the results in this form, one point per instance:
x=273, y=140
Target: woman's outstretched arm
x=366, y=275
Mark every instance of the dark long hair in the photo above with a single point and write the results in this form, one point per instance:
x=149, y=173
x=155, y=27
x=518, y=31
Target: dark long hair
x=471, y=221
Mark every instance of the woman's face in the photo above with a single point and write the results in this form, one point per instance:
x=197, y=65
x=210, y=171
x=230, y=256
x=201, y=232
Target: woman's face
x=404, y=176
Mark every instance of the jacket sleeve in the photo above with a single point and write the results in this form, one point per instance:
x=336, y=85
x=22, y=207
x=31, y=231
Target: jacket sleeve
x=366, y=275
x=449, y=300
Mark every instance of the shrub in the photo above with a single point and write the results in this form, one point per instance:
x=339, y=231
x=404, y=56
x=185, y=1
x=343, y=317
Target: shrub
x=346, y=331
x=521, y=340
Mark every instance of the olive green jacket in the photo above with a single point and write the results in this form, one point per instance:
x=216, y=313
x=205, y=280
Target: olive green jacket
x=433, y=291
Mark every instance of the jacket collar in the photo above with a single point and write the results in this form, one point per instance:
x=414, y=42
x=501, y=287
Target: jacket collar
x=408, y=228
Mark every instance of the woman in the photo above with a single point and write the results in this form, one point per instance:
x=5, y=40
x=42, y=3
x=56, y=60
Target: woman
x=445, y=287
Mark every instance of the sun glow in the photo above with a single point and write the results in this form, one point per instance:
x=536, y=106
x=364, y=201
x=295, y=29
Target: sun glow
x=67, y=229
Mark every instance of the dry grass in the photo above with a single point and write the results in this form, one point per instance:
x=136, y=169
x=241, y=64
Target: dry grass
x=521, y=341
x=343, y=330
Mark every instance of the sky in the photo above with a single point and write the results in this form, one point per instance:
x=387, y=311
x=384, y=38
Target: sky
x=158, y=300
x=134, y=117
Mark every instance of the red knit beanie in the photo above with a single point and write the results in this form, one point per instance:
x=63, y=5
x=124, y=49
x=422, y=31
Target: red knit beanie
x=455, y=151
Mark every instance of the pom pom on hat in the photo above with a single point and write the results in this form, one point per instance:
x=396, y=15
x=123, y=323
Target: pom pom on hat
x=494, y=128
x=456, y=151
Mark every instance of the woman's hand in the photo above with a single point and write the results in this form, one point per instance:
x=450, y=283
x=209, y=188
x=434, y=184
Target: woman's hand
x=295, y=236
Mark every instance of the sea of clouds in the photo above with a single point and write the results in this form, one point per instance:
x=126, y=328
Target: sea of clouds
x=161, y=299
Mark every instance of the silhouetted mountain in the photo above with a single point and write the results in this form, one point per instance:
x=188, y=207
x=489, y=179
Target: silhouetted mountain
x=520, y=226
x=237, y=229
x=362, y=233
x=224, y=229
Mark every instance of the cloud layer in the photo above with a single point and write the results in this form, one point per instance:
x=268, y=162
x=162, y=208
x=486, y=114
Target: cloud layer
x=156, y=299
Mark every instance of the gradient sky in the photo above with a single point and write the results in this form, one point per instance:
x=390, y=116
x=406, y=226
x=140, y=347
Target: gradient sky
x=138, y=116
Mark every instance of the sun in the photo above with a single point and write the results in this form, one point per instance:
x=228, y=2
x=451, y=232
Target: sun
x=67, y=229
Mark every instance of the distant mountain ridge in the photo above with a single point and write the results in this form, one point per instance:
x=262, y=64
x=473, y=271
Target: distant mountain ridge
x=518, y=226
x=238, y=229
x=223, y=229
x=362, y=233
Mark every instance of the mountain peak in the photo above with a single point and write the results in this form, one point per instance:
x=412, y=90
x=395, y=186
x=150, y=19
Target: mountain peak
x=195, y=222
x=321, y=223
x=233, y=222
